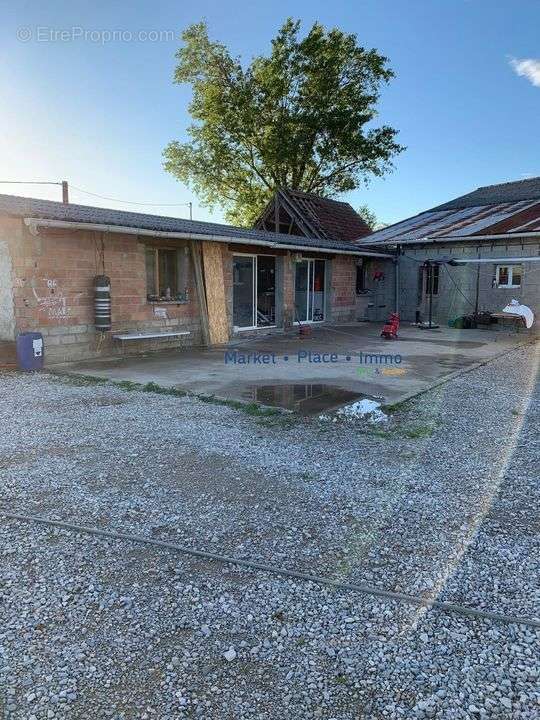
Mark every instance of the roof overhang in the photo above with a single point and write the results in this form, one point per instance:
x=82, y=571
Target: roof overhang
x=481, y=261
x=35, y=223
x=440, y=239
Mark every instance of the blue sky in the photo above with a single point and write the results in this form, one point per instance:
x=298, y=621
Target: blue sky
x=99, y=113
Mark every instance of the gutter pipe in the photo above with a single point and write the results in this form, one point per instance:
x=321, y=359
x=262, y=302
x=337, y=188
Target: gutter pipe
x=467, y=261
x=34, y=223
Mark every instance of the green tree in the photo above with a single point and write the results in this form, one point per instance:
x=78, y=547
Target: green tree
x=295, y=119
x=368, y=216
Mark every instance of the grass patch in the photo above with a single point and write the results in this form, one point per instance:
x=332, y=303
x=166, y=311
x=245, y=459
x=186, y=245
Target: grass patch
x=253, y=409
x=396, y=407
x=127, y=385
x=386, y=434
x=419, y=431
x=281, y=420
x=153, y=387
x=79, y=380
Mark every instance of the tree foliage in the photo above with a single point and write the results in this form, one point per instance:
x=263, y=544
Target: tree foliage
x=368, y=216
x=300, y=118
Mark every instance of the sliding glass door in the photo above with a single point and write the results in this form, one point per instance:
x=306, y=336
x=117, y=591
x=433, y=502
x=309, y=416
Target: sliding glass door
x=254, y=291
x=309, y=291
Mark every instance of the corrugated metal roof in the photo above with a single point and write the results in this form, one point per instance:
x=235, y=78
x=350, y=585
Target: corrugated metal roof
x=508, y=192
x=460, y=223
x=68, y=212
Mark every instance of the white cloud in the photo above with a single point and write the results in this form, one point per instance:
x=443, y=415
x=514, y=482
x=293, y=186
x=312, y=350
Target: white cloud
x=529, y=68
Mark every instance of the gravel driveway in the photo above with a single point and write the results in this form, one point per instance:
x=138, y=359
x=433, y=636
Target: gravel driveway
x=439, y=502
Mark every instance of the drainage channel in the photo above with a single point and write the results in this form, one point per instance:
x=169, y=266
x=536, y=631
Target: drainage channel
x=284, y=572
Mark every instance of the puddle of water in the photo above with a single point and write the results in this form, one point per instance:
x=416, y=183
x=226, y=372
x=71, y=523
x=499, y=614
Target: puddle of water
x=303, y=398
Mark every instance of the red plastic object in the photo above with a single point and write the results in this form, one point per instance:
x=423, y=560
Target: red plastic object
x=391, y=327
x=304, y=330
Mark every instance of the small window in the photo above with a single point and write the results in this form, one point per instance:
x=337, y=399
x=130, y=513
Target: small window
x=428, y=272
x=361, y=284
x=508, y=276
x=165, y=280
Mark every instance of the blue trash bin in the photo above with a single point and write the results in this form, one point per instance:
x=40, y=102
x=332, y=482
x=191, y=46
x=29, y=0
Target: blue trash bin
x=30, y=351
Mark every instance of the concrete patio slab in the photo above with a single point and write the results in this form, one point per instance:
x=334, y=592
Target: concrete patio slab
x=328, y=368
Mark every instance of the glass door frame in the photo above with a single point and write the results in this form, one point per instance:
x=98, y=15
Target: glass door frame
x=310, y=290
x=254, y=257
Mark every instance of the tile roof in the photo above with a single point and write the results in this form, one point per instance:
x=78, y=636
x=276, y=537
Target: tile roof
x=320, y=217
x=332, y=218
x=68, y=212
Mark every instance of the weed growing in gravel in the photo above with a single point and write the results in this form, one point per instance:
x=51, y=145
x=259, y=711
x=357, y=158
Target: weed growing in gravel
x=249, y=408
x=396, y=407
x=420, y=431
x=79, y=380
x=155, y=388
x=253, y=409
x=127, y=385
x=280, y=420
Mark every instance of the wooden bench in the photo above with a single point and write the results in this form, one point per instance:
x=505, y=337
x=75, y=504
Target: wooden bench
x=148, y=336
x=517, y=320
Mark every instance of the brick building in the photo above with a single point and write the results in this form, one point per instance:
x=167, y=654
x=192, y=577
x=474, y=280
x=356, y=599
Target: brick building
x=173, y=281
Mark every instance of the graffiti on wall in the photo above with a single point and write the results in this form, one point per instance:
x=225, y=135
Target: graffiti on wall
x=55, y=304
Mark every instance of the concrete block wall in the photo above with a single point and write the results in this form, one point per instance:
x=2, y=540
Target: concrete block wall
x=457, y=285
x=53, y=292
x=378, y=301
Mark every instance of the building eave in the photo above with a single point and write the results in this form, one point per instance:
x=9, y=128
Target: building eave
x=34, y=224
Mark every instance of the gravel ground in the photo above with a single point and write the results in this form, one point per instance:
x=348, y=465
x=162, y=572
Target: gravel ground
x=441, y=502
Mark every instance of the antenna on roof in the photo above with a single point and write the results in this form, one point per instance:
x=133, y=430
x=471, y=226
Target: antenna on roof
x=63, y=183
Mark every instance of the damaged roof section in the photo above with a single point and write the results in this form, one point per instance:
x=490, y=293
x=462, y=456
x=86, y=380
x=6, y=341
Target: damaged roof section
x=103, y=218
x=304, y=213
x=507, y=209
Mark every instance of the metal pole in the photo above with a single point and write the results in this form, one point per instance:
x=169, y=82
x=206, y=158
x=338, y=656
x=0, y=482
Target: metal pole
x=477, y=297
x=430, y=273
x=190, y=210
x=65, y=192
x=396, y=283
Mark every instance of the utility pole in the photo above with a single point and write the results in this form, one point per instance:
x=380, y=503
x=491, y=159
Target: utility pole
x=64, y=184
x=190, y=210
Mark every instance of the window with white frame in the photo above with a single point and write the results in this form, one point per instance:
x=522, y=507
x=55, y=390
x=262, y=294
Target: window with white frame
x=508, y=276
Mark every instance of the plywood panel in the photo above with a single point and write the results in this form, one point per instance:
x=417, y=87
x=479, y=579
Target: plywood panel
x=196, y=256
x=214, y=281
